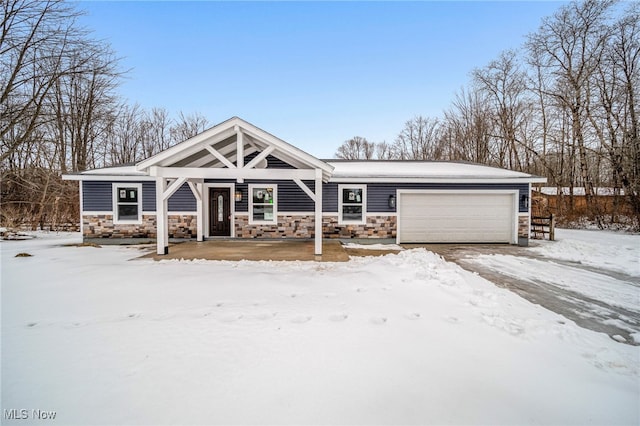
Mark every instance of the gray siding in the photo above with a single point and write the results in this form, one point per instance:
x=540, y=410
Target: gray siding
x=97, y=196
x=182, y=200
x=148, y=196
x=378, y=193
x=272, y=162
x=291, y=198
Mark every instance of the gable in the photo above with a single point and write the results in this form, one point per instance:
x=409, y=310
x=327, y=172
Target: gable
x=233, y=144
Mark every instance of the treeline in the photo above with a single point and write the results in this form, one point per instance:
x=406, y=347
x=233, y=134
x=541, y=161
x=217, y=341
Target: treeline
x=564, y=105
x=60, y=112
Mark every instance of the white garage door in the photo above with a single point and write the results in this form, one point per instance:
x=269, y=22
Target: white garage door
x=456, y=217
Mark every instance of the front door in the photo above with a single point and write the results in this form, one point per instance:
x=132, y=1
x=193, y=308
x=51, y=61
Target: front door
x=220, y=212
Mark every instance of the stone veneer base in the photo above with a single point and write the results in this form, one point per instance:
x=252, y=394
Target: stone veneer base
x=288, y=226
x=102, y=226
x=302, y=226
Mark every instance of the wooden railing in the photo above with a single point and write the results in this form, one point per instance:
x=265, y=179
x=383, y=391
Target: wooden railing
x=542, y=226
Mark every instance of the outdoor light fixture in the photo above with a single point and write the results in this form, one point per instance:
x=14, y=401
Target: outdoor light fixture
x=238, y=195
x=392, y=201
x=524, y=201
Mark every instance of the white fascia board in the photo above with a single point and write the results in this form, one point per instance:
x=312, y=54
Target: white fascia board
x=110, y=178
x=190, y=146
x=533, y=179
x=218, y=173
x=286, y=148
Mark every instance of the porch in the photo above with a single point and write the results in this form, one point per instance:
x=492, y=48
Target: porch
x=275, y=250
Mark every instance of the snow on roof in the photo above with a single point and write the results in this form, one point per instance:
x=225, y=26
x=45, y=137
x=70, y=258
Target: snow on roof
x=420, y=169
x=369, y=170
x=126, y=170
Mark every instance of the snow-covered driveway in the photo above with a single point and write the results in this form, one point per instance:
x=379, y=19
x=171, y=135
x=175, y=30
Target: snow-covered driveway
x=100, y=338
x=591, y=277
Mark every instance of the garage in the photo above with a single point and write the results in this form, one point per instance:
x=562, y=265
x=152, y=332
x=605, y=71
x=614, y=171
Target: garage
x=457, y=217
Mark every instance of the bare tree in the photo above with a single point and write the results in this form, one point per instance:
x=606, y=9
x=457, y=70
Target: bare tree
x=504, y=86
x=356, y=148
x=571, y=44
x=467, y=128
x=187, y=126
x=38, y=41
x=419, y=140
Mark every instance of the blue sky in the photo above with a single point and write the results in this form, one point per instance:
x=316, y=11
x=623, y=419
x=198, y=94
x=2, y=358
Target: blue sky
x=312, y=73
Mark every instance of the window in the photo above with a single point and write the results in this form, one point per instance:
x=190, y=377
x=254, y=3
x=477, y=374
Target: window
x=127, y=203
x=263, y=207
x=352, y=202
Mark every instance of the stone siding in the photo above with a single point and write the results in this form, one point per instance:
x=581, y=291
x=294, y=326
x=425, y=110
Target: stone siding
x=101, y=226
x=304, y=227
x=376, y=227
x=288, y=226
x=523, y=227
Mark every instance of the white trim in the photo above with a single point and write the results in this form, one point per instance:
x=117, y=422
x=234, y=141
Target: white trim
x=362, y=221
x=306, y=189
x=183, y=213
x=240, y=128
x=81, y=209
x=206, y=203
x=513, y=192
x=435, y=180
x=219, y=173
x=219, y=156
x=110, y=178
x=390, y=214
x=92, y=213
x=318, y=212
x=252, y=221
x=173, y=187
x=114, y=199
x=258, y=158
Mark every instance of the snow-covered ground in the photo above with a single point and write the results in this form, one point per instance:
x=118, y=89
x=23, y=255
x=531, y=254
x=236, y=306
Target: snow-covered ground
x=601, y=269
x=406, y=338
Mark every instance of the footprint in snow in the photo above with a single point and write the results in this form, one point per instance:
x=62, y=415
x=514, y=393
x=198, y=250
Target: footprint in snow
x=361, y=290
x=265, y=315
x=301, y=319
x=338, y=317
x=378, y=320
x=32, y=324
x=230, y=318
x=452, y=320
x=413, y=315
x=133, y=315
x=330, y=295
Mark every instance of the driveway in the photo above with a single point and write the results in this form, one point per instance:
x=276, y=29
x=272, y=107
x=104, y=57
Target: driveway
x=591, y=313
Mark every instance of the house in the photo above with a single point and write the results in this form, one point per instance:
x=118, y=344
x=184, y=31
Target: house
x=235, y=180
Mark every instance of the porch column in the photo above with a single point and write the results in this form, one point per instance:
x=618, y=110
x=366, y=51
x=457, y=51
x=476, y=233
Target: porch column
x=162, y=222
x=318, y=219
x=196, y=186
x=200, y=211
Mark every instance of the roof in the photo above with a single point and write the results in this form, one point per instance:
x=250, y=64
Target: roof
x=223, y=138
x=368, y=171
x=215, y=152
x=423, y=171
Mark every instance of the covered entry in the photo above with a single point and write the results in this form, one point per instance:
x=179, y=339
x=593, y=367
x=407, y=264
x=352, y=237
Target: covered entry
x=440, y=216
